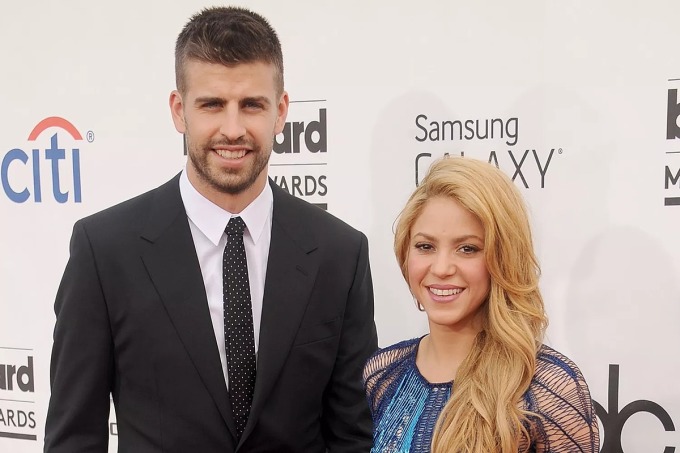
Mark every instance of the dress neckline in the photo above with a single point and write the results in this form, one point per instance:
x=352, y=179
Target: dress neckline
x=419, y=375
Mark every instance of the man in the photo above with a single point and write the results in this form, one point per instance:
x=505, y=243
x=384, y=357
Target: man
x=251, y=340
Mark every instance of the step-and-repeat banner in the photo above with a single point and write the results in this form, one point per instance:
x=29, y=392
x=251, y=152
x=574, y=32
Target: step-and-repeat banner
x=577, y=101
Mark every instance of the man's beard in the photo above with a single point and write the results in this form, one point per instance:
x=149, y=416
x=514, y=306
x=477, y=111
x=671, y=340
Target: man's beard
x=224, y=180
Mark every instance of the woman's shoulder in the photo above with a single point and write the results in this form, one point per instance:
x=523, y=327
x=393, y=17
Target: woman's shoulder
x=384, y=367
x=557, y=382
x=552, y=365
x=389, y=357
x=402, y=347
x=559, y=397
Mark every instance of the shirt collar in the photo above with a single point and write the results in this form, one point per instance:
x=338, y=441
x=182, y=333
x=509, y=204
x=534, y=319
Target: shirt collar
x=212, y=220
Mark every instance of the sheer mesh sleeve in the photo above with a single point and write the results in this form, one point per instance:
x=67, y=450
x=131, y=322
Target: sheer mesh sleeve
x=565, y=418
x=379, y=371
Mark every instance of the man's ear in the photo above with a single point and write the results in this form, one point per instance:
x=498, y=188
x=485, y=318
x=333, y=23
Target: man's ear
x=177, y=111
x=281, y=113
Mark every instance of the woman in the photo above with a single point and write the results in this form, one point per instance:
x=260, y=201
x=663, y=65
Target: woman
x=481, y=381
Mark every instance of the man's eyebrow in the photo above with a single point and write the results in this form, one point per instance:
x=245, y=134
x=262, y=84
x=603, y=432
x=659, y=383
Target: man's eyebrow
x=218, y=100
x=209, y=100
x=261, y=99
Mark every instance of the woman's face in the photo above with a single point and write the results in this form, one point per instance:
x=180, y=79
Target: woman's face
x=447, y=270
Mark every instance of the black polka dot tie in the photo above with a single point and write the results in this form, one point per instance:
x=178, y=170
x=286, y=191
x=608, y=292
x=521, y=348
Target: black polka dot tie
x=238, y=325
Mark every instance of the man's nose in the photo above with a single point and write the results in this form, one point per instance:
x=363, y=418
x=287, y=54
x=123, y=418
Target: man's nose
x=232, y=126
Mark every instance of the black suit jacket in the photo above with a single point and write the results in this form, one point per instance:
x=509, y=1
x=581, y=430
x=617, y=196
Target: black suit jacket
x=133, y=322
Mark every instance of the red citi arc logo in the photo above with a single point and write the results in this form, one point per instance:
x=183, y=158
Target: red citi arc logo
x=22, y=173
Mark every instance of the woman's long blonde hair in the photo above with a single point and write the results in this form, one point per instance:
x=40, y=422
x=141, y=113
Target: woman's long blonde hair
x=482, y=415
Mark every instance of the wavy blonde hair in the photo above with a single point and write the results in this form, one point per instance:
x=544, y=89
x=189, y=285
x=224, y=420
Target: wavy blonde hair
x=483, y=414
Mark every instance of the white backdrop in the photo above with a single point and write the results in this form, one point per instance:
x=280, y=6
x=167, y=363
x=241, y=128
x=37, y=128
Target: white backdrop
x=584, y=92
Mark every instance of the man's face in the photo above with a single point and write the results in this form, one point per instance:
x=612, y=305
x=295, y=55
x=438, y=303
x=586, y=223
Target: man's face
x=229, y=116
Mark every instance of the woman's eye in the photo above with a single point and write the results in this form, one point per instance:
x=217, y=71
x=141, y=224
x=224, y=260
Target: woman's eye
x=468, y=249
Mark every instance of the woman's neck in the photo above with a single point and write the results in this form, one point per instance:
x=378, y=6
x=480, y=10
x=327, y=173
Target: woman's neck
x=441, y=353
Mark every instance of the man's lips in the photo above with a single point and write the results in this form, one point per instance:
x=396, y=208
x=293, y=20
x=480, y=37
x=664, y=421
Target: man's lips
x=231, y=153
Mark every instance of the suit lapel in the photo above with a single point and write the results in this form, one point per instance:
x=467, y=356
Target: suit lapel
x=174, y=269
x=291, y=271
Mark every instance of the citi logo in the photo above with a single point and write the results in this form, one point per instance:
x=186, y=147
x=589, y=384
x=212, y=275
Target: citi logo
x=27, y=176
x=17, y=377
x=613, y=420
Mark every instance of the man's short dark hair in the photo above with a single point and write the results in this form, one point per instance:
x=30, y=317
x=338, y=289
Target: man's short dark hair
x=228, y=36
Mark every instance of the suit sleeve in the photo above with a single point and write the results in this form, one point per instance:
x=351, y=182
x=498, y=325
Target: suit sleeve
x=81, y=371
x=346, y=417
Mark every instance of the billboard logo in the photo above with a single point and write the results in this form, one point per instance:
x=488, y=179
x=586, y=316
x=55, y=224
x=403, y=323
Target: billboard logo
x=299, y=162
x=23, y=174
x=613, y=420
x=672, y=169
x=293, y=134
x=17, y=386
x=672, y=128
x=13, y=377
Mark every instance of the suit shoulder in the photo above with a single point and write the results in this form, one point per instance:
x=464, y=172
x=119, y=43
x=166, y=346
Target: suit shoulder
x=131, y=213
x=323, y=223
x=316, y=213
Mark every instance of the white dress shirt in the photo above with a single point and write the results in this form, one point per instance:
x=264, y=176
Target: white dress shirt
x=208, y=222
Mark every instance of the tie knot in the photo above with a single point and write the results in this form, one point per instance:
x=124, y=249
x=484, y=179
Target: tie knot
x=235, y=227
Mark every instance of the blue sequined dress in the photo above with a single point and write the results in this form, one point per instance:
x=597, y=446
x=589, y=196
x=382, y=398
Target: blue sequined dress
x=405, y=406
